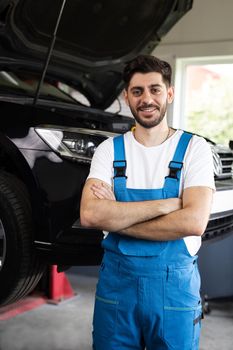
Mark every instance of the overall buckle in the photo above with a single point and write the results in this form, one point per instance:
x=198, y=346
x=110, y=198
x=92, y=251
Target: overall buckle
x=119, y=168
x=174, y=168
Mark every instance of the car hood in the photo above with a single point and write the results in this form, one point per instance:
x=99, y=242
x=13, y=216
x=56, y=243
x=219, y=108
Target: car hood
x=93, y=40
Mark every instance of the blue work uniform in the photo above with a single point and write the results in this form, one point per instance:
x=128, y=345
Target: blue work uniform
x=148, y=293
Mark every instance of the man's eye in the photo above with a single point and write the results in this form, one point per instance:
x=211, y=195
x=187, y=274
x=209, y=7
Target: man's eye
x=156, y=91
x=137, y=92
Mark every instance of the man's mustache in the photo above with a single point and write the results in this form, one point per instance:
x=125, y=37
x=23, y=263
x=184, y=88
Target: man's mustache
x=145, y=105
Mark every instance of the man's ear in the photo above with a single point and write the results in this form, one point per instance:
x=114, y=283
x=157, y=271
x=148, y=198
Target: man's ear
x=170, y=94
x=125, y=95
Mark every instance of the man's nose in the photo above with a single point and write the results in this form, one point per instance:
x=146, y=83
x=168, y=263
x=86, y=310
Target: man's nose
x=147, y=97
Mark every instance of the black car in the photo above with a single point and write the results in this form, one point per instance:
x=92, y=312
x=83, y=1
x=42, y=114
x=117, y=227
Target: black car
x=60, y=69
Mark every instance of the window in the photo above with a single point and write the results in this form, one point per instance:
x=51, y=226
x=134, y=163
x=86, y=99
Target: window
x=205, y=97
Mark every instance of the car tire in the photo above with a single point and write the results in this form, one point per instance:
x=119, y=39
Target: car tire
x=20, y=268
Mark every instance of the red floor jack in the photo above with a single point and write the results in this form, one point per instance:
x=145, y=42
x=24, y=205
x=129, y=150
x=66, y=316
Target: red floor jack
x=59, y=286
x=53, y=288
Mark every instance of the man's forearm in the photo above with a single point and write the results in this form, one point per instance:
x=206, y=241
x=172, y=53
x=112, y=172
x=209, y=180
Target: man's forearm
x=178, y=224
x=153, y=220
x=100, y=209
x=116, y=216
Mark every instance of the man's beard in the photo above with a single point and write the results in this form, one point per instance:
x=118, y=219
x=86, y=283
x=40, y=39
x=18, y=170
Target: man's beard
x=148, y=124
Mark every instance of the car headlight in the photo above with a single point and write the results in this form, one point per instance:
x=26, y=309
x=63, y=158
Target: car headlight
x=74, y=143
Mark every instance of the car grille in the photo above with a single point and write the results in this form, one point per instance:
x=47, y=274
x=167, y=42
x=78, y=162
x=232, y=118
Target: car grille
x=219, y=225
x=223, y=161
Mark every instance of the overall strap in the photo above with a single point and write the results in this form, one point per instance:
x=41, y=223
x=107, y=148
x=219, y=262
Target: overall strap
x=176, y=164
x=119, y=163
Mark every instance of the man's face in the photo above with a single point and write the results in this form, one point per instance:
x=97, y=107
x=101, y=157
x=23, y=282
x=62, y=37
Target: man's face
x=148, y=96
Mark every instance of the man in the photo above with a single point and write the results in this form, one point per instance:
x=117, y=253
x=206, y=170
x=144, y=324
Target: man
x=151, y=189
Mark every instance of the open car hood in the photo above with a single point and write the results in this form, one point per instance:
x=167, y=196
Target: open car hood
x=94, y=38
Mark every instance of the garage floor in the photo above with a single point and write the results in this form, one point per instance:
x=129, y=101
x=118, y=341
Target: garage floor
x=67, y=326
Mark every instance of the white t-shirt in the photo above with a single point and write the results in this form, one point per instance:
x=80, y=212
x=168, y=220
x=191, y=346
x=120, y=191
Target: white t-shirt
x=147, y=167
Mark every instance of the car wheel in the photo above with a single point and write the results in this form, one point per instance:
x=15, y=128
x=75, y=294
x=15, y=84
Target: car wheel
x=20, y=269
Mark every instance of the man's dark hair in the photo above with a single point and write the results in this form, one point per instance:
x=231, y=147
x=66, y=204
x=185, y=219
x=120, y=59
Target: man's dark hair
x=147, y=64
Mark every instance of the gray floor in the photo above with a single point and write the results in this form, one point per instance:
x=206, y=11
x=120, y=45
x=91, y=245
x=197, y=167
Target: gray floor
x=67, y=326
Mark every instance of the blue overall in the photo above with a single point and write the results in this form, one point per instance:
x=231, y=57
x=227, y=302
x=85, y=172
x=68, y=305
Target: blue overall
x=148, y=291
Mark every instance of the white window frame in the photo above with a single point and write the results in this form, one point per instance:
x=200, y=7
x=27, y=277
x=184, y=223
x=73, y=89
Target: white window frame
x=178, y=117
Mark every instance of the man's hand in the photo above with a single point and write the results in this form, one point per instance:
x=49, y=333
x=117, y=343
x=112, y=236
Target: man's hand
x=103, y=191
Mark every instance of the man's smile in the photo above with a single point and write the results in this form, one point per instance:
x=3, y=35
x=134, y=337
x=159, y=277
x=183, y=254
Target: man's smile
x=148, y=109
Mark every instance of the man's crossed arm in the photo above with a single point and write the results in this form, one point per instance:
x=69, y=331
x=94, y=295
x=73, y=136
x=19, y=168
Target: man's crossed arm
x=163, y=219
